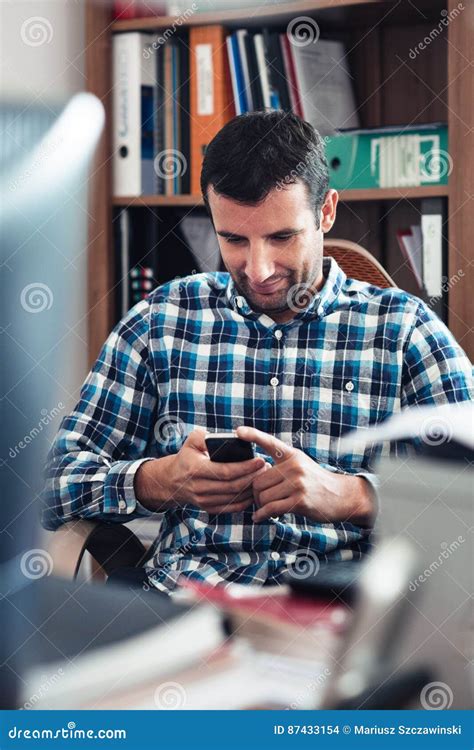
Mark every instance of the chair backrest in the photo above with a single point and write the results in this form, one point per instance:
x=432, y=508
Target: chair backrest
x=358, y=263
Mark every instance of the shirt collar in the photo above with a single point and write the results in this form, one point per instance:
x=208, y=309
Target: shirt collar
x=319, y=305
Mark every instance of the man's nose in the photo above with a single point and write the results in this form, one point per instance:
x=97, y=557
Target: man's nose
x=260, y=266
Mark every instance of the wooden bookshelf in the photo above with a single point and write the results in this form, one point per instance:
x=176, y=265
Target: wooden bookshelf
x=348, y=196
x=390, y=89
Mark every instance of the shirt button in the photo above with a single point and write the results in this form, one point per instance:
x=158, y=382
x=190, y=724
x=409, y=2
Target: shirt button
x=278, y=334
x=350, y=386
x=240, y=302
x=274, y=381
x=122, y=504
x=275, y=555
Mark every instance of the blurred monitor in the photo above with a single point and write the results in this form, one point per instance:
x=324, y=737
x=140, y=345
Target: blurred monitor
x=43, y=244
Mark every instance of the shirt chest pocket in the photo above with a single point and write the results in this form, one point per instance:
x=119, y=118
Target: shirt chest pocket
x=351, y=402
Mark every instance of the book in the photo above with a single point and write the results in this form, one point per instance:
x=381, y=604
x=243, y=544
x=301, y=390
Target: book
x=211, y=103
x=290, y=74
x=432, y=221
x=124, y=223
x=275, y=619
x=201, y=239
x=268, y=100
x=411, y=245
x=275, y=64
x=242, y=35
x=183, y=113
x=236, y=74
x=255, y=83
x=133, y=112
x=324, y=85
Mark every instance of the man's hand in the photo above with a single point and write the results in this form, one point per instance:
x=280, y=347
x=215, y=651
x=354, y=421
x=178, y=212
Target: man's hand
x=191, y=477
x=297, y=484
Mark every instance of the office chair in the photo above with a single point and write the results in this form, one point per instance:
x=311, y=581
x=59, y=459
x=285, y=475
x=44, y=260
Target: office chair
x=113, y=545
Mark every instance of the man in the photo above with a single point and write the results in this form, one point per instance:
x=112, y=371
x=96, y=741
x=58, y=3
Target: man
x=284, y=348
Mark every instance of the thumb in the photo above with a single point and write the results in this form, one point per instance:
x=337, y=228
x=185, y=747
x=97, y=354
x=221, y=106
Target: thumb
x=196, y=439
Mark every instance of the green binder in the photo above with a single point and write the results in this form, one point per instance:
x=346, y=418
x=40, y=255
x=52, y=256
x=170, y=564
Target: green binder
x=389, y=157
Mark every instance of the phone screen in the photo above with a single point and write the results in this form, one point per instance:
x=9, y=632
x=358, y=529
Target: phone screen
x=228, y=448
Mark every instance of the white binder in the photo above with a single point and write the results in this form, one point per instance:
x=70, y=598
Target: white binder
x=134, y=82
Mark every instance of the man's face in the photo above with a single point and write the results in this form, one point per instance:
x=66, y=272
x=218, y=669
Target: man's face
x=272, y=247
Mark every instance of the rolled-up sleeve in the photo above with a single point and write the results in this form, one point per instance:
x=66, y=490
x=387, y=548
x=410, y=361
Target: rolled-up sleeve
x=90, y=468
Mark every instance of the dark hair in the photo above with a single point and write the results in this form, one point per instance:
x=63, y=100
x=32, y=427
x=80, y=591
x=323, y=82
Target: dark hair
x=259, y=151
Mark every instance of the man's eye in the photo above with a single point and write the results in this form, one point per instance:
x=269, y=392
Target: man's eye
x=235, y=240
x=282, y=237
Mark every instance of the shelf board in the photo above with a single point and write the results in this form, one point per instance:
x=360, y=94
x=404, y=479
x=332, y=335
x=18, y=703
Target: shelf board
x=346, y=196
x=248, y=16
x=394, y=194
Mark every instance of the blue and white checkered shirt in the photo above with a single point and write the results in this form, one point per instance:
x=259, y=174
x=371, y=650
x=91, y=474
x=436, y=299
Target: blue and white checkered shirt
x=195, y=354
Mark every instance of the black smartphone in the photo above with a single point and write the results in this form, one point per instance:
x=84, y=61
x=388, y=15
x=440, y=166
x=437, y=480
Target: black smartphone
x=226, y=447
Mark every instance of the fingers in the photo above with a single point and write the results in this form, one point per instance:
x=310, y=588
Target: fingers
x=277, y=508
x=231, y=487
x=276, y=492
x=196, y=439
x=229, y=471
x=275, y=448
x=230, y=507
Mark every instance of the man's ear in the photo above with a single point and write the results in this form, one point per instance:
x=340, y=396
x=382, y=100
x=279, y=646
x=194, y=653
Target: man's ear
x=328, y=210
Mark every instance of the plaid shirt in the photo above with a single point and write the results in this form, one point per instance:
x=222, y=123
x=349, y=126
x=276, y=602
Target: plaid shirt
x=195, y=354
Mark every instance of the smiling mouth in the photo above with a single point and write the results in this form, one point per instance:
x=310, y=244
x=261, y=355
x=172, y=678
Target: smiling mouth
x=266, y=288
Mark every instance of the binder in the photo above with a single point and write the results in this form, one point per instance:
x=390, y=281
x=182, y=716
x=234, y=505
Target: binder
x=134, y=108
x=211, y=92
x=389, y=157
